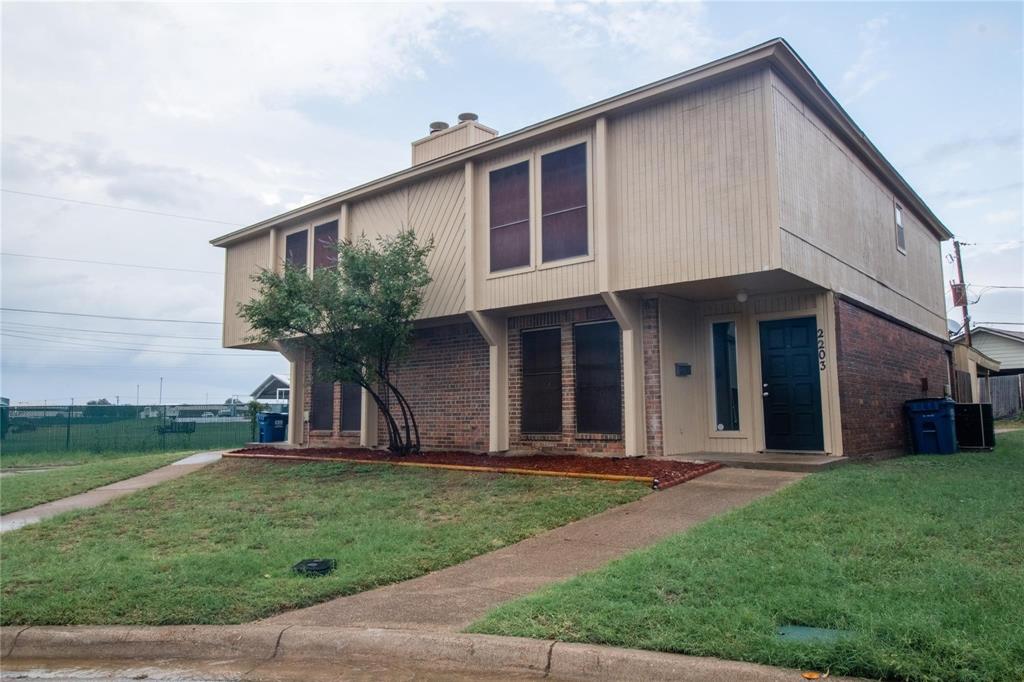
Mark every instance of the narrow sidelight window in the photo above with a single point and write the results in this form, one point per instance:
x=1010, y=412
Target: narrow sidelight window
x=510, y=217
x=563, y=193
x=325, y=245
x=598, y=378
x=295, y=249
x=727, y=399
x=542, y=381
x=901, y=235
x=351, y=406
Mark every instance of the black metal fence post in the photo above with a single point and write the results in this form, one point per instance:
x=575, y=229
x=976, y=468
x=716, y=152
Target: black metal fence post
x=67, y=431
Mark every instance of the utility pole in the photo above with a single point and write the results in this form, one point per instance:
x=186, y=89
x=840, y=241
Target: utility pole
x=160, y=400
x=962, y=293
x=136, y=394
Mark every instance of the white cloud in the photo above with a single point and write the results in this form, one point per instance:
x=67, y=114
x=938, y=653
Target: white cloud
x=867, y=70
x=1003, y=217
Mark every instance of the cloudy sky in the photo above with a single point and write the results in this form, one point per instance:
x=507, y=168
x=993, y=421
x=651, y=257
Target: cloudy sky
x=231, y=113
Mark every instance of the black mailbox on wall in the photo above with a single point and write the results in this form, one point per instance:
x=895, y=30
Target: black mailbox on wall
x=683, y=369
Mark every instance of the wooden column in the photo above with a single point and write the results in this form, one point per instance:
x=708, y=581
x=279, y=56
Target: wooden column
x=628, y=312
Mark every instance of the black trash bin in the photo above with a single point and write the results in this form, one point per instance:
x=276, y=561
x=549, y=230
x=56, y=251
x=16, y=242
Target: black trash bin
x=932, y=424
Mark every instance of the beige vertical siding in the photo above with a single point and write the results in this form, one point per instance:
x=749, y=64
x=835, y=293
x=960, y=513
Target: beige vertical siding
x=241, y=262
x=687, y=401
x=434, y=208
x=837, y=222
x=689, y=186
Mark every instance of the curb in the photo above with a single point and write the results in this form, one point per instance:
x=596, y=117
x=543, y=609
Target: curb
x=440, y=651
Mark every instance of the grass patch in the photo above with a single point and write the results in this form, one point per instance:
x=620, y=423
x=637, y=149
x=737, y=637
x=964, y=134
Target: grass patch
x=21, y=491
x=59, y=458
x=920, y=557
x=217, y=545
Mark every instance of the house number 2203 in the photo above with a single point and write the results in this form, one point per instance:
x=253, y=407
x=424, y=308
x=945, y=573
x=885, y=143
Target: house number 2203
x=821, y=349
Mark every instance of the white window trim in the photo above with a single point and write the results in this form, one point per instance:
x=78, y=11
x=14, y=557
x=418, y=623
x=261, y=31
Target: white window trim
x=899, y=224
x=741, y=383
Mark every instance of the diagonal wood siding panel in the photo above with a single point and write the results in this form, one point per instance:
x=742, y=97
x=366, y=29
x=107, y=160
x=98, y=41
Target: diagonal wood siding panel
x=434, y=208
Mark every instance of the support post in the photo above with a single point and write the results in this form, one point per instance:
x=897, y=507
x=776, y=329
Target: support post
x=628, y=312
x=367, y=421
x=296, y=391
x=494, y=329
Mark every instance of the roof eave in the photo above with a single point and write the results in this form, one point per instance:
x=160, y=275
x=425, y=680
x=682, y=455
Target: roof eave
x=776, y=52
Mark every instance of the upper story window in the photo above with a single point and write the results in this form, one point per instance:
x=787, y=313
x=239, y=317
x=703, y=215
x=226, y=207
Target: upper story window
x=295, y=248
x=325, y=245
x=510, y=217
x=563, y=198
x=901, y=235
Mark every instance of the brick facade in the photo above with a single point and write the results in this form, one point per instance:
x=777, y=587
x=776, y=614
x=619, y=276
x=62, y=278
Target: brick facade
x=568, y=441
x=652, y=378
x=446, y=378
x=881, y=364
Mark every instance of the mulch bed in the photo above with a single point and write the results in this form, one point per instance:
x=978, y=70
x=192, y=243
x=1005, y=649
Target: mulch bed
x=657, y=473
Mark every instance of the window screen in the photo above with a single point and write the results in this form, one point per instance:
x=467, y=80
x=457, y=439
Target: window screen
x=542, y=381
x=598, y=378
x=901, y=235
x=563, y=194
x=295, y=248
x=727, y=401
x=325, y=245
x=321, y=409
x=351, y=406
x=510, y=217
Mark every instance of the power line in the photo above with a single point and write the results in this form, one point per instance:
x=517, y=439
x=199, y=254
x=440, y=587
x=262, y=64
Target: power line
x=105, y=331
x=995, y=286
x=102, y=262
x=105, y=317
x=997, y=322
x=108, y=343
x=91, y=349
x=120, y=208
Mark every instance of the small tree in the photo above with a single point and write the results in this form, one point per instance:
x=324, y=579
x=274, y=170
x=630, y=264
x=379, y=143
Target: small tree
x=356, y=318
x=253, y=408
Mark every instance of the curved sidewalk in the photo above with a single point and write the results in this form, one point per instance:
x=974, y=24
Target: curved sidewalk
x=106, y=493
x=454, y=597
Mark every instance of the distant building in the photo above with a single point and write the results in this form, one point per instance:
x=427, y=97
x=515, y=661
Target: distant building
x=273, y=392
x=1002, y=345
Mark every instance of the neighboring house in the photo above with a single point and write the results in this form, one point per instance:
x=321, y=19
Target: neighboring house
x=720, y=261
x=1002, y=345
x=273, y=393
x=969, y=366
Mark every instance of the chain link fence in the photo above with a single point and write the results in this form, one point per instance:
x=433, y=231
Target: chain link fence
x=27, y=429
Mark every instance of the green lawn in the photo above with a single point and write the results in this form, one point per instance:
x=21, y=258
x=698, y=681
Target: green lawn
x=217, y=546
x=20, y=491
x=61, y=458
x=921, y=558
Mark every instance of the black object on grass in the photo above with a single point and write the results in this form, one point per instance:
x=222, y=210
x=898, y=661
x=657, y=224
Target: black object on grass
x=314, y=567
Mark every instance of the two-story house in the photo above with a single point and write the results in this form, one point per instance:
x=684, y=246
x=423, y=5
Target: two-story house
x=720, y=261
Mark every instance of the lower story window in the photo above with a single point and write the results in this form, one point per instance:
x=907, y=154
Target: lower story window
x=727, y=400
x=351, y=406
x=321, y=406
x=598, y=378
x=542, y=381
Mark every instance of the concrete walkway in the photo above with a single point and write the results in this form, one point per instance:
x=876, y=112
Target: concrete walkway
x=104, y=494
x=452, y=598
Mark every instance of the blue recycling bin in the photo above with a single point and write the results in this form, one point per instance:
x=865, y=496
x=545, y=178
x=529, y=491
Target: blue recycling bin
x=932, y=426
x=272, y=426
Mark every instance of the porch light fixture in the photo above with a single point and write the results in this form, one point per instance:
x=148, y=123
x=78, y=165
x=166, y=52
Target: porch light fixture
x=741, y=296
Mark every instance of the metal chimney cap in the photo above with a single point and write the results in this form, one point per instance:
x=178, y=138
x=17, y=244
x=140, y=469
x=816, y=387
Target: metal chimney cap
x=438, y=126
x=468, y=116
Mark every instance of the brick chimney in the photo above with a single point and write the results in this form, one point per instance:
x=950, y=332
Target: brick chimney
x=444, y=139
